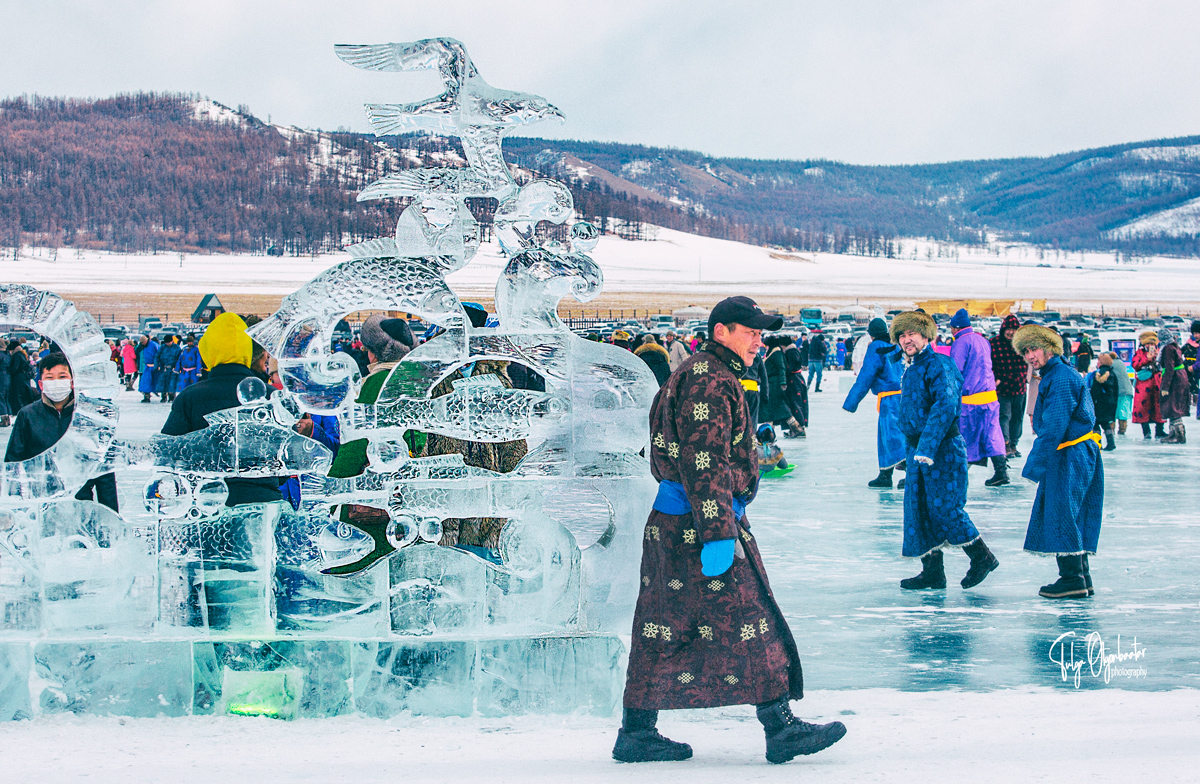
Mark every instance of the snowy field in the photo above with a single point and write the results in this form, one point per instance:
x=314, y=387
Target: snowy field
x=693, y=267
x=934, y=686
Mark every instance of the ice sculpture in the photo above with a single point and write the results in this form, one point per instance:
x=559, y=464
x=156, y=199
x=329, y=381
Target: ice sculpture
x=318, y=611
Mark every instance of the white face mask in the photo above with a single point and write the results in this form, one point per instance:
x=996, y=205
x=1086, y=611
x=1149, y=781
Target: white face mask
x=57, y=389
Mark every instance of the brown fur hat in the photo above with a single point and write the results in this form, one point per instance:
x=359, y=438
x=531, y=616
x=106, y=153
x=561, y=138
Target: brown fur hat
x=912, y=321
x=1034, y=336
x=1148, y=338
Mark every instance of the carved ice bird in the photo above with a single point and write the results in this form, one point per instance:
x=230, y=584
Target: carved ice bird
x=469, y=108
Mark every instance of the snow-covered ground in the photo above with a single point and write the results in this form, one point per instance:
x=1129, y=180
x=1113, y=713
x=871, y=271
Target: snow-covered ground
x=692, y=267
x=1023, y=735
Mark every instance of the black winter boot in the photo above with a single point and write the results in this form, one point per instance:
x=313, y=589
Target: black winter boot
x=900, y=484
x=639, y=741
x=1070, y=583
x=1110, y=443
x=884, y=480
x=982, y=563
x=1159, y=431
x=1146, y=431
x=788, y=737
x=933, y=573
x=1000, y=462
x=1087, y=575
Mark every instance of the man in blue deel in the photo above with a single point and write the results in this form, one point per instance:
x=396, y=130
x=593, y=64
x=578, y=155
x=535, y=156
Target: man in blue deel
x=882, y=377
x=1065, y=462
x=935, y=490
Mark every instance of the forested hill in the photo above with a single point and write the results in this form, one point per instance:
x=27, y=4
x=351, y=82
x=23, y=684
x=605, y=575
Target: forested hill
x=152, y=172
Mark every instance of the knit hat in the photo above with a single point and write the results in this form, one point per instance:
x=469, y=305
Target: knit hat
x=912, y=321
x=225, y=342
x=1195, y=327
x=1166, y=336
x=1010, y=322
x=1034, y=336
x=389, y=339
x=1148, y=338
x=878, y=329
x=961, y=319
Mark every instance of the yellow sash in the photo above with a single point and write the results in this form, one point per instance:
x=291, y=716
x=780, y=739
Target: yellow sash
x=750, y=385
x=1093, y=436
x=882, y=395
x=980, y=398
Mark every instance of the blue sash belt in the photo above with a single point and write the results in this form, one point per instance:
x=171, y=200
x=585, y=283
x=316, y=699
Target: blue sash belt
x=672, y=500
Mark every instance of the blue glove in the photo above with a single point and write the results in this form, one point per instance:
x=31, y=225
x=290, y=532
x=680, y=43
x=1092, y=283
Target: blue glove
x=716, y=557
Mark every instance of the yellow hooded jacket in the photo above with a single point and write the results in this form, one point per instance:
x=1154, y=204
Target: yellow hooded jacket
x=225, y=342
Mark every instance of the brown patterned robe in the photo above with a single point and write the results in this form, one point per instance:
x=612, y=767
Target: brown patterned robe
x=699, y=641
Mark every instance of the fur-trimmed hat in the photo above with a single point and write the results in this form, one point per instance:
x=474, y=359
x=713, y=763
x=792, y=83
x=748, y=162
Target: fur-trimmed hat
x=1034, y=336
x=389, y=339
x=1148, y=338
x=913, y=321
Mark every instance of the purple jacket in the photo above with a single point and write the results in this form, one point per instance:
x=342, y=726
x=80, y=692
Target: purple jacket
x=979, y=421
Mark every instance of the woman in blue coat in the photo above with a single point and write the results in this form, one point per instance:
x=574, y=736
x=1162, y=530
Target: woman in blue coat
x=881, y=376
x=935, y=490
x=1065, y=462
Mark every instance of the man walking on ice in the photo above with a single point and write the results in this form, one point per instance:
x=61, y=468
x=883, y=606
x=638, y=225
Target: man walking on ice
x=707, y=631
x=935, y=489
x=1065, y=462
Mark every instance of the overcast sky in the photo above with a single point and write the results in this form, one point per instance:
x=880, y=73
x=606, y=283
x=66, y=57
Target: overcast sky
x=862, y=81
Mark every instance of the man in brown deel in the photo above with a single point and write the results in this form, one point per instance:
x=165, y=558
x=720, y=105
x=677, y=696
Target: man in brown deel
x=707, y=631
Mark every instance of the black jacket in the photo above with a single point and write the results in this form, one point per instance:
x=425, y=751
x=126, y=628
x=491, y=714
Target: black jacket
x=1104, y=395
x=39, y=427
x=218, y=391
x=773, y=405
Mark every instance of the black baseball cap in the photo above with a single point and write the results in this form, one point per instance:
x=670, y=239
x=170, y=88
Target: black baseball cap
x=744, y=311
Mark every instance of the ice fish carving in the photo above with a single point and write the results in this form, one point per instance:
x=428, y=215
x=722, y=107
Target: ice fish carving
x=247, y=441
x=472, y=412
x=299, y=333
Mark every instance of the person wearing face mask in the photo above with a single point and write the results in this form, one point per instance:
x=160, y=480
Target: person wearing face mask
x=43, y=422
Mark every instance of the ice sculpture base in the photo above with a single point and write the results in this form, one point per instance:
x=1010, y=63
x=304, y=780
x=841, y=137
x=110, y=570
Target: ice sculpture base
x=312, y=678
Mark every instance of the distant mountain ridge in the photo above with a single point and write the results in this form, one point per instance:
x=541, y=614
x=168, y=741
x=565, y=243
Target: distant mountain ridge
x=154, y=172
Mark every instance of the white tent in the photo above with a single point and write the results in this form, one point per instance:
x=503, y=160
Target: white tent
x=690, y=312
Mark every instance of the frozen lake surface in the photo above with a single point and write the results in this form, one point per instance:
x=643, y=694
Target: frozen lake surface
x=832, y=548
